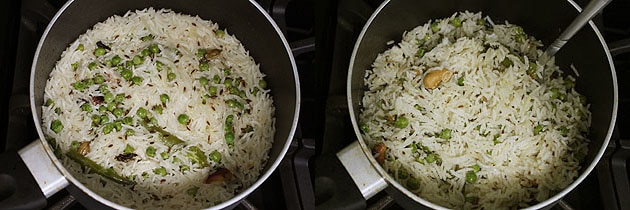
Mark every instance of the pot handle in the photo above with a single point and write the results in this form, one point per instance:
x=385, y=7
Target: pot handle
x=28, y=177
x=367, y=179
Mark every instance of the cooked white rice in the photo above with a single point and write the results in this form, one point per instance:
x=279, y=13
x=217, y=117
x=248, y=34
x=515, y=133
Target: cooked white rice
x=519, y=136
x=179, y=37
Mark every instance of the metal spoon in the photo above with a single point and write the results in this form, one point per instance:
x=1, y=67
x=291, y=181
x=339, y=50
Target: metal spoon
x=592, y=9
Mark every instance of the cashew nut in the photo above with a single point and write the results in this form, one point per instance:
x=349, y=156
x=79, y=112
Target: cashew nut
x=434, y=78
x=380, y=149
x=84, y=148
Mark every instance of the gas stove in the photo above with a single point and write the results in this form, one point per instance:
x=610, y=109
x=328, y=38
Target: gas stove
x=322, y=35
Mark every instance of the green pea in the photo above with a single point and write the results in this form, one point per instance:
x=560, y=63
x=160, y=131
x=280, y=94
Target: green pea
x=434, y=27
x=119, y=98
x=220, y=33
x=136, y=80
x=160, y=171
x=234, y=104
x=137, y=60
x=108, y=97
x=430, y=158
x=92, y=66
x=229, y=119
x=227, y=71
x=116, y=60
x=164, y=155
x=74, y=145
x=262, y=84
x=154, y=48
x=103, y=89
x=150, y=151
x=413, y=184
x=471, y=177
x=141, y=113
x=460, y=81
x=130, y=132
x=445, y=133
x=216, y=79
x=201, y=53
x=127, y=120
x=111, y=107
x=86, y=107
x=183, y=119
x=147, y=38
x=215, y=156
x=118, y=112
x=365, y=128
x=204, y=66
x=98, y=79
x=158, y=65
x=57, y=110
x=506, y=62
x=80, y=47
x=49, y=102
x=96, y=119
x=227, y=82
x=108, y=128
x=102, y=109
x=456, y=22
x=126, y=74
x=421, y=51
x=164, y=98
x=192, y=191
x=128, y=149
x=481, y=21
x=212, y=90
x=255, y=91
x=78, y=86
x=56, y=126
x=184, y=168
x=538, y=129
x=401, y=122
x=99, y=52
x=564, y=131
x=402, y=173
x=476, y=168
x=472, y=199
x=144, y=53
x=171, y=76
x=495, y=138
x=74, y=65
x=88, y=82
x=158, y=109
x=203, y=81
x=129, y=64
x=104, y=119
x=229, y=138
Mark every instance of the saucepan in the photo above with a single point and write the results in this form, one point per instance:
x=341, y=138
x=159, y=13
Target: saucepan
x=27, y=183
x=587, y=52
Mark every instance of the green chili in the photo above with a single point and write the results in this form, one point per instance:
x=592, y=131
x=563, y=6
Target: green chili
x=197, y=156
x=93, y=167
x=460, y=81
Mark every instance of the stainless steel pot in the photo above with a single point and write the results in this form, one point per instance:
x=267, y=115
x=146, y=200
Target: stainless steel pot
x=542, y=19
x=243, y=18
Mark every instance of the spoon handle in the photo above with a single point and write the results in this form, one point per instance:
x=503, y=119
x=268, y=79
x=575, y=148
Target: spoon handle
x=592, y=9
